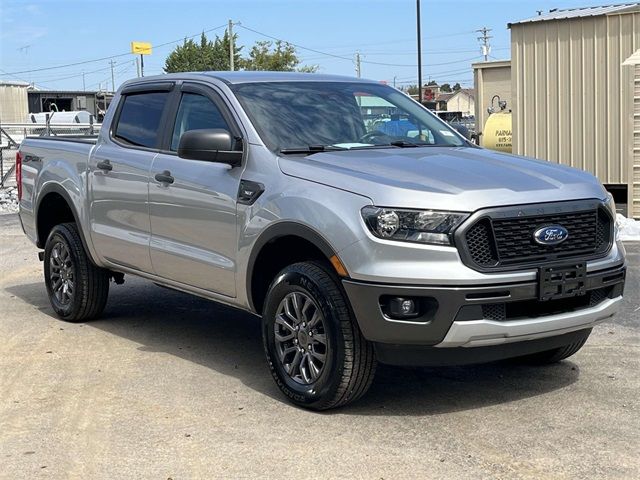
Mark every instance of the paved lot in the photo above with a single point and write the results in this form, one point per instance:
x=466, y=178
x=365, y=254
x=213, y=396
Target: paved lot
x=171, y=386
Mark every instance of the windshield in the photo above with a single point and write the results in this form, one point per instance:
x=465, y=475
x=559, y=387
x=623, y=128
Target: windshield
x=299, y=116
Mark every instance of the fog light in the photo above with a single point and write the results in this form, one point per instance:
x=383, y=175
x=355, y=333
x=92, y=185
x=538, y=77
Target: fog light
x=400, y=307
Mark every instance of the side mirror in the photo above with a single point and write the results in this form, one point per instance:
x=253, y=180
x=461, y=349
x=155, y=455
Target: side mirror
x=211, y=145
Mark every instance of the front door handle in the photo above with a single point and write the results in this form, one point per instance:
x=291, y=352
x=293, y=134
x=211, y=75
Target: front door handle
x=164, y=177
x=105, y=165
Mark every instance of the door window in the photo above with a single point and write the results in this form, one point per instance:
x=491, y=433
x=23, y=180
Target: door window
x=196, y=112
x=139, y=120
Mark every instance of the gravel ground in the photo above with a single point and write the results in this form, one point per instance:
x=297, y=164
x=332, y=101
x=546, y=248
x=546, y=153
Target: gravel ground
x=172, y=386
x=8, y=200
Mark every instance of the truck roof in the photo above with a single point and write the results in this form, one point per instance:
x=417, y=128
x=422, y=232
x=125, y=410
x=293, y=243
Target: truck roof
x=253, y=77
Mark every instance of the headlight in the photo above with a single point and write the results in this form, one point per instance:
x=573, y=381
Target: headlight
x=611, y=205
x=421, y=226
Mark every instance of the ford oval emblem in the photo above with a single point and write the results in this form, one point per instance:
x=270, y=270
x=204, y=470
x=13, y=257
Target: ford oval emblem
x=550, y=235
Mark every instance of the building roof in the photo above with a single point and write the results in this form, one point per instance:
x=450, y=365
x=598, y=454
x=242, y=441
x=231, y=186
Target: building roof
x=557, y=14
x=467, y=91
x=634, y=59
x=13, y=83
x=443, y=97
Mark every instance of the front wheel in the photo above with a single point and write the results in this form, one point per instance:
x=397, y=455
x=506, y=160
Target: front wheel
x=77, y=289
x=316, y=353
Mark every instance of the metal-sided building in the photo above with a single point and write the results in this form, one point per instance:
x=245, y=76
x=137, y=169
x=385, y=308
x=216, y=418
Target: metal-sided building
x=490, y=79
x=13, y=101
x=573, y=99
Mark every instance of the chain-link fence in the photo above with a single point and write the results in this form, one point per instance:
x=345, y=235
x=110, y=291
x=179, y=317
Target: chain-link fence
x=12, y=134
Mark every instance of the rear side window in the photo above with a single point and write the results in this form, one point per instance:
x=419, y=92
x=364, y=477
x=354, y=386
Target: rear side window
x=196, y=112
x=139, y=120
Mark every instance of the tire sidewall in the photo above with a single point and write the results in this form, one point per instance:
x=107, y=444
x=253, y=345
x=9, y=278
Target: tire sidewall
x=59, y=234
x=295, y=279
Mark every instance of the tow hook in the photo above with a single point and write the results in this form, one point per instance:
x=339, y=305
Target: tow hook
x=41, y=256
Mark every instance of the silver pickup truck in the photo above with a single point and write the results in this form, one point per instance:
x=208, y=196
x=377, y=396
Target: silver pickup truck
x=356, y=224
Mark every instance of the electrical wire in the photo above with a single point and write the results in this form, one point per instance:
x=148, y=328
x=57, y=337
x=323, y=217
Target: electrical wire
x=111, y=56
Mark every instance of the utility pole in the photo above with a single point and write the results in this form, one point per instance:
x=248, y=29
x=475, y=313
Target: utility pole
x=418, y=34
x=84, y=87
x=137, y=67
x=113, y=81
x=486, y=48
x=231, y=46
x=358, y=71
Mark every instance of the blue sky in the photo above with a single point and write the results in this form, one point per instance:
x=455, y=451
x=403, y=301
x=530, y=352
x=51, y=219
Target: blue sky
x=41, y=34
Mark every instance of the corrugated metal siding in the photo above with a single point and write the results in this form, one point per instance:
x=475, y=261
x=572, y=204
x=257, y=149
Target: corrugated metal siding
x=572, y=98
x=13, y=103
x=491, y=78
x=580, y=12
x=634, y=197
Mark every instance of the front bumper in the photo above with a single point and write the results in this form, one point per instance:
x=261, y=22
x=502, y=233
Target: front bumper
x=458, y=316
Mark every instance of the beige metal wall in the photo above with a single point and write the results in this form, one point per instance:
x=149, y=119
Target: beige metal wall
x=572, y=98
x=490, y=78
x=634, y=194
x=14, y=106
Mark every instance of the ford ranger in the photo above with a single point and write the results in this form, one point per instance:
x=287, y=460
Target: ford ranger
x=359, y=226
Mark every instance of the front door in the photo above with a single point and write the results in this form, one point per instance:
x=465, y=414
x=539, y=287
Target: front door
x=119, y=180
x=192, y=203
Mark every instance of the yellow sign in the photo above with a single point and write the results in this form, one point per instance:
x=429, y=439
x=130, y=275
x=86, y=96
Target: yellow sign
x=141, y=48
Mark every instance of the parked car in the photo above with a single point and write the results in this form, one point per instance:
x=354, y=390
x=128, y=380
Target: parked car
x=266, y=191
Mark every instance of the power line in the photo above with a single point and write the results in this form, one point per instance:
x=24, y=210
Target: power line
x=348, y=58
x=111, y=56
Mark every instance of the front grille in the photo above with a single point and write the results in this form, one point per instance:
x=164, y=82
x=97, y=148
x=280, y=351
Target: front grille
x=504, y=242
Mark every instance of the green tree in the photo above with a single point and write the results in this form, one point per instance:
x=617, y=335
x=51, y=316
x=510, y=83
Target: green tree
x=412, y=89
x=432, y=83
x=445, y=87
x=202, y=56
x=278, y=56
x=456, y=87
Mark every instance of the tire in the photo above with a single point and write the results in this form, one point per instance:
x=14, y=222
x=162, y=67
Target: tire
x=340, y=369
x=557, y=354
x=65, y=260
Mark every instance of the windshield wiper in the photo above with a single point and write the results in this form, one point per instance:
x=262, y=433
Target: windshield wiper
x=311, y=149
x=405, y=144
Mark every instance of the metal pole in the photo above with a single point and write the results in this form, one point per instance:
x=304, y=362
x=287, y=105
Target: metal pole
x=48, y=127
x=113, y=81
x=141, y=65
x=137, y=67
x=84, y=87
x=358, y=64
x=231, y=46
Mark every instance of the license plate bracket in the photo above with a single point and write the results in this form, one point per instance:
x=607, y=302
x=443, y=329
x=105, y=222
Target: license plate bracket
x=562, y=281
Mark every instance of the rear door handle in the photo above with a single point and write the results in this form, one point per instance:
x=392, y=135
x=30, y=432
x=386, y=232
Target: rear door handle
x=164, y=177
x=105, y=165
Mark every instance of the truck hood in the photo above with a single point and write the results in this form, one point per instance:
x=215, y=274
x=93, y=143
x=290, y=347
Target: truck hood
x=448, y=178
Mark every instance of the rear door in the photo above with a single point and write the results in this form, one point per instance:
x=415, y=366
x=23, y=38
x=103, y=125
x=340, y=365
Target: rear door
x=119, y=177
x=192, y=203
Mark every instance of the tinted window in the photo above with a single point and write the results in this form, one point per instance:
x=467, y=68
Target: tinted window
x=139, y=120
x=196, y=113
x=294, y=115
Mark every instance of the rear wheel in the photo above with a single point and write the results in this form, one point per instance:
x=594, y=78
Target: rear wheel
x=557, y=354
x=316, y=353
x=77, y=289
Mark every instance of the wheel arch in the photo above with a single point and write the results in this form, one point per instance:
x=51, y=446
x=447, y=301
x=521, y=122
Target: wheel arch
x=63, y=210
x=281, y=234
